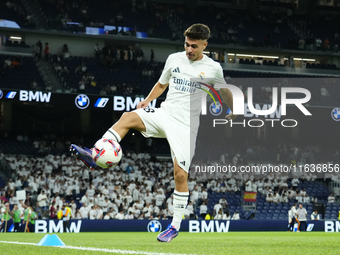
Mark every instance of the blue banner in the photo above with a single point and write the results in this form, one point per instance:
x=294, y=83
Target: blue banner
x=192, y=226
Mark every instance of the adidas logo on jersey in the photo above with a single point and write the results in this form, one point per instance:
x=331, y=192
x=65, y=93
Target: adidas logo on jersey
x=176, y=70
x=183, y=163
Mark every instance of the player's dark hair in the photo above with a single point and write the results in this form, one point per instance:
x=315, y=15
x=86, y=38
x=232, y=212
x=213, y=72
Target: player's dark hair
x=198, y=32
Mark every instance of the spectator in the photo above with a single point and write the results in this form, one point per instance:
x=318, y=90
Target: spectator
x=147, y=210
x=7, y=63
x=97, y=51
x=11, y=184
x=194, y=195
x=84, y=212
x=65, y=51
x=276, y=198
x=159, y=199
x=315, y=215
x=314, y=200
x=53, y=211
x=42, y=200
x=38, y=210
x=236, y=216
x=77, y=215
x=318, y=43
x=203, y=210
x=217, y=207
x=331, y=199
x=295, y=182
x=189, y=212
x=204, y=195
x=284, y=198
x=107, y=216
x=226, y=216
x=129, y=216
x=292, y=217
x=219, y=215
x=99, y=213
x=93, y=213
x=299, y=198
x=73, y=207
x=248, y=186
x=47, y=52
x=90, y=192
x=306, y=199
x=223, y=202
x=269, y=198
x=13, y=200
x=120, y=216
x=85, y=199
x=209, y=216
x=302, y=220
x=326, y=44
x=148, y=197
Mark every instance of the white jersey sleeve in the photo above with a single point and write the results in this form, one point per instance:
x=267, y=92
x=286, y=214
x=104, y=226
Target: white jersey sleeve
x=218, y=78
x=166, y=73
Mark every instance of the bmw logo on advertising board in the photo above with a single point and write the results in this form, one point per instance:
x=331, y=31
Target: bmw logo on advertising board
x=154, y=226
x=336, y=114
x=82, y=101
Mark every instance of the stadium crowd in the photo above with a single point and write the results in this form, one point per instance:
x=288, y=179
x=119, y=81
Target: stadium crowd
x=138, y=188
x=280, y=27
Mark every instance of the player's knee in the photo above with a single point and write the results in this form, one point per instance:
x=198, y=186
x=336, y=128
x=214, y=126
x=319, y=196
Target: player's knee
x=126, y=116
x=129, y=119
x=180, y=176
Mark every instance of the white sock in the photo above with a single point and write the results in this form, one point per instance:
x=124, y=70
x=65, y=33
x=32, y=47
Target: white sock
x=180, y=203
x=112, y=134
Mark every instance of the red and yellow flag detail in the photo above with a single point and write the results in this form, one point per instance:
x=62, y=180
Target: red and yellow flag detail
x=249, y=196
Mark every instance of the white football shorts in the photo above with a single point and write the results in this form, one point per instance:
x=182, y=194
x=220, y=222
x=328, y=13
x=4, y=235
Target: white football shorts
x=160, y=124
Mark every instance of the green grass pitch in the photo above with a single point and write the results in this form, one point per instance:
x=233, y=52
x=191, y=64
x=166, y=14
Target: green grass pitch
x=186, y=243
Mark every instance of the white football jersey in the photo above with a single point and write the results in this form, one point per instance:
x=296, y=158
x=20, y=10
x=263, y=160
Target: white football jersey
x=186, y=79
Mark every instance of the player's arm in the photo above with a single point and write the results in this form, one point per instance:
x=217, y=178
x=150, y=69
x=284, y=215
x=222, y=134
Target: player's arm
x=156, y=91
x=227, y=97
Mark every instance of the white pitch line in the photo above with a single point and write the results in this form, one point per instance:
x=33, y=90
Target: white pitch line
x=18, y=243
x=99, y=249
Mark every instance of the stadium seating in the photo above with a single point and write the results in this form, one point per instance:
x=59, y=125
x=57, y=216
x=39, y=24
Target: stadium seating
x=15, y=10
x=126, y=73
x=274, y=28
x=22, y=76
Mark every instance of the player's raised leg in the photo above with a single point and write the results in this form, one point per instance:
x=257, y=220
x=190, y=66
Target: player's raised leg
x=129, y=120
x=181, y=196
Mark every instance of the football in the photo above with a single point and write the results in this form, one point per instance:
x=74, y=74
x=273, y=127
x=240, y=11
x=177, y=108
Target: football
x=107, y=153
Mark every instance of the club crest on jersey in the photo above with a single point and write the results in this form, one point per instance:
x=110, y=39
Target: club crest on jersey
x=201, y=75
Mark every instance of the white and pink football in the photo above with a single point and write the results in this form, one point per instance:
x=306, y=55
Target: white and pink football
x=107, y=153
